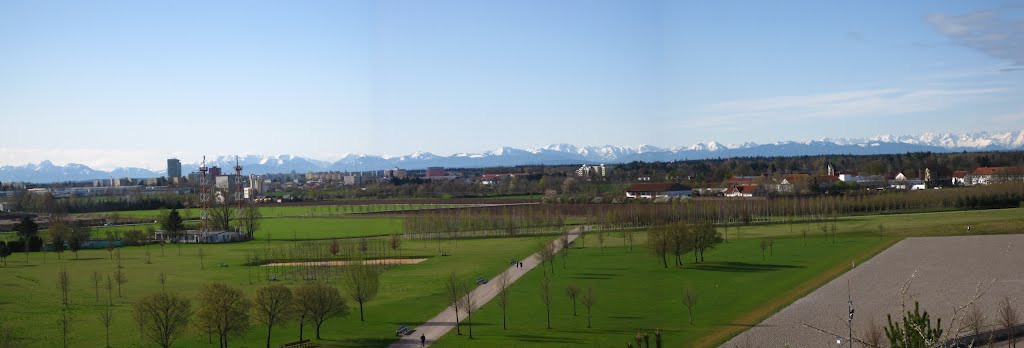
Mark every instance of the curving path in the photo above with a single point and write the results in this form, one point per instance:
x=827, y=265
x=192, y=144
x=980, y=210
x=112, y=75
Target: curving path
x=438, y=326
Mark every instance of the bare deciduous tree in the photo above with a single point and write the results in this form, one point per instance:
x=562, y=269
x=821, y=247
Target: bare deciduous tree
x=545, y=296
x=1009, y=319
x=107, y=318
x=658, y=240
x=504, y=282
x=318, y=302
x=690, y=301
x=162, y=317
x=361, y=284
x=273, y=306
x=628, y=236
x=453, y=289
x=110, y=291
x=64, y=323
x=589, y=300
x=974, y=320
x=572, y=291
x=221, y=211
x=223, y=310
x=468, y=305
x=96, y=279
x=121, y=278
x=250, y=219
x=875, y=336
x=64, y=284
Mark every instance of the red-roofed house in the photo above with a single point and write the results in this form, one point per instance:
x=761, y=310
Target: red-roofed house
x=958, y=177
x=826, y=181
x=657, y=190
x=742, y=180
x=744, y=191
x=988, y=175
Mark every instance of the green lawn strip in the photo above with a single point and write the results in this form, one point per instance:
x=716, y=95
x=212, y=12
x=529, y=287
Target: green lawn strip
x=288, y=228
x=282, y=211
x=326, y=228
x=635, y=293
x=409, y=294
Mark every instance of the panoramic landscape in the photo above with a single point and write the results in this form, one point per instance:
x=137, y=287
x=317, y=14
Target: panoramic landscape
x=638, y=174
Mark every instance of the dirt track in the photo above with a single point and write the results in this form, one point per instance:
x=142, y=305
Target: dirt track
x=346, y=263
x=949, y=270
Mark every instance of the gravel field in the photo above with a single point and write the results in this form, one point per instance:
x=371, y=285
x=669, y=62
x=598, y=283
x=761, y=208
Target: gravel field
x=948, y=273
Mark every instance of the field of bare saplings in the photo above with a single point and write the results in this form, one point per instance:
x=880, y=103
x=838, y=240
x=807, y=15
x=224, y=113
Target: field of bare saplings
x=511, y=221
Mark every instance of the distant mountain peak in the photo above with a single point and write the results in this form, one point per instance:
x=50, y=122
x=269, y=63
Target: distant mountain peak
x=554, y=154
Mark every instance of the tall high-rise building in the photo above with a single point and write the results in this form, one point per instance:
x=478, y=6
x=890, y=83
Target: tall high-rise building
x=173, y=168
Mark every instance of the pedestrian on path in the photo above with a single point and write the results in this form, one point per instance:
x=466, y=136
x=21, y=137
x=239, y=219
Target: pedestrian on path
x=423, y=340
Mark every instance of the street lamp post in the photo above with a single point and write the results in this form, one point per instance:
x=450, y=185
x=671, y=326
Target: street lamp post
x=849, y=320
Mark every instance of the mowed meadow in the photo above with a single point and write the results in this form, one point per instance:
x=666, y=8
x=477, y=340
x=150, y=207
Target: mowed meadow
x=634, y=292
x=30, y=297
x=736, y=285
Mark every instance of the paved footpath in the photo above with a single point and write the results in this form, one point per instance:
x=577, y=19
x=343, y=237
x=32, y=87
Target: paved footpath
x=445, y=321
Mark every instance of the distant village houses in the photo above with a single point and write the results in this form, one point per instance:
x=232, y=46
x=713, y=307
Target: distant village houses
x=657, y=190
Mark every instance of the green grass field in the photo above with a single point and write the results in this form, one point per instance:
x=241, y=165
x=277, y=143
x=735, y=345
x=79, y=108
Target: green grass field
x=634, y=292
x=285, y=211
x=325, y=228
x=409, y=294
x=284, y=228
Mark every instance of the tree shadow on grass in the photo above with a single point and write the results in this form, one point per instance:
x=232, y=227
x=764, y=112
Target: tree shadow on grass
x=609, y=268
x=546, y=339
x=360, y=342
x=740, y=267
x=594, y=275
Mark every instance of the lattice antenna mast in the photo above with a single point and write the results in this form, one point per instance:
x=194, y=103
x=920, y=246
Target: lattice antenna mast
x=238, y=188
x=204, y=197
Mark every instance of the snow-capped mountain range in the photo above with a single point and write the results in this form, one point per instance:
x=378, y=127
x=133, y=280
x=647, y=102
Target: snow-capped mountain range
x=556, y=154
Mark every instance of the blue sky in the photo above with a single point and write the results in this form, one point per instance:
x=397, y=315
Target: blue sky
x=129, y=83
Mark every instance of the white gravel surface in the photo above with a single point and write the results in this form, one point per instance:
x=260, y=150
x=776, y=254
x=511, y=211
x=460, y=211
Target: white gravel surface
x=948, y=273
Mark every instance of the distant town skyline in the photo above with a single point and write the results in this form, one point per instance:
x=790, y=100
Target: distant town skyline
x=129, y=84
